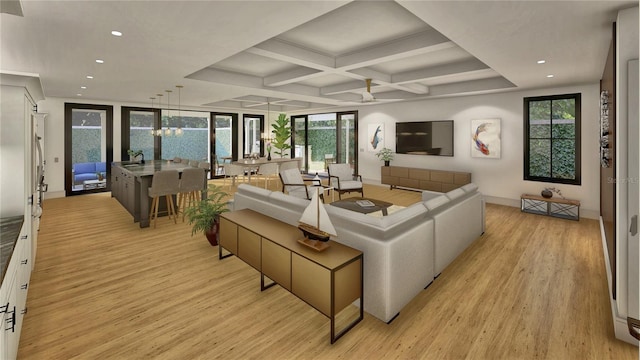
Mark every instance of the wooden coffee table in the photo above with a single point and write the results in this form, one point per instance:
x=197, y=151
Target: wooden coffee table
x=350, y=204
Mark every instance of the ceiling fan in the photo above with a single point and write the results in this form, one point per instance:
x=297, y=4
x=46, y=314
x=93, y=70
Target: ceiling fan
x=367, y=96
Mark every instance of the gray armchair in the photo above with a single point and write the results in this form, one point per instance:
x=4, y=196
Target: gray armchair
x=294, y=185
x=343, y=180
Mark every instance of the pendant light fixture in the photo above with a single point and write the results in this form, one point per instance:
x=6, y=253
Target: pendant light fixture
x=159, y=129
x=179, y=128
x=167, y=131
x=266, y=134
x=153, y=131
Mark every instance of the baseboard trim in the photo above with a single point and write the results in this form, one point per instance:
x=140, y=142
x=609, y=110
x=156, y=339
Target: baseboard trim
x=584, y=213
x=54, y=194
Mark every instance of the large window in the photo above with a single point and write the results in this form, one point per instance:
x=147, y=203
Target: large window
x=552, y=139
x=185, y=135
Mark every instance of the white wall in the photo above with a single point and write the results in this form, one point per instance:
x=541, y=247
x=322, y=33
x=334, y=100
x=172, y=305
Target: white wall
x=501, y=180
x=54, y=133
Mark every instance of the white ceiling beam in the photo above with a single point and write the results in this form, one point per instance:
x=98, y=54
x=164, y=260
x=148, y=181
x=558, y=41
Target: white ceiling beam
x=366, y=73
x=291, y=76
x=416, y=44
x=496, y=83
x=440, y=70
x=294, y=103
x=252, y=98
x=280, y=50
x=342, y=88
x=227, y=77
x=412, y=88
x=394, y=95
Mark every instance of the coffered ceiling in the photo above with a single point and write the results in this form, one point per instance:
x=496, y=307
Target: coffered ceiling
x=304, y=56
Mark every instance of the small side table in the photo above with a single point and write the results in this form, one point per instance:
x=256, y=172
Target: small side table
x=94, y=184
x=562, y=208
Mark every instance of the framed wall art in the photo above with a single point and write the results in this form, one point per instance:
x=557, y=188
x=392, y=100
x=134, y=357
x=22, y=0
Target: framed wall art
x=375, y=137
x=485, y=138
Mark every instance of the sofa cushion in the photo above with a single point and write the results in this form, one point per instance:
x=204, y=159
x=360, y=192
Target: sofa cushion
x=101, y=167
x=436, y=202
x=85, y=176
x=428, y=195
x=455, y=193
x=350, y=184
x=471, y=187
x=84, y=168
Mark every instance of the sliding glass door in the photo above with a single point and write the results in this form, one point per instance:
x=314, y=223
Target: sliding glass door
x=253, y=126
x=222, y=138
x=88, y=148
x=322, y=139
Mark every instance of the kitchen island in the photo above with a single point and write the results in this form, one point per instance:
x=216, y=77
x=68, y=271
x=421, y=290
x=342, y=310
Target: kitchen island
x=130, y=183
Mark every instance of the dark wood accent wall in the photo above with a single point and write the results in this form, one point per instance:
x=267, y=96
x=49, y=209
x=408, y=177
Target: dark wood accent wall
x=608, y=175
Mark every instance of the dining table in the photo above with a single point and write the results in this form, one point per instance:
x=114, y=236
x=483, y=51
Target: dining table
x=251, y=165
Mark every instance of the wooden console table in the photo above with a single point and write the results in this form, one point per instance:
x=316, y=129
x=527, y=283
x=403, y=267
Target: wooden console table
x=562, y=208
x=423, y=179
x=329, y=281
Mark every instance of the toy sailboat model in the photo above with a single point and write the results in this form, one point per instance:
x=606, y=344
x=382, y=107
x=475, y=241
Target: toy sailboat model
x=315, y=225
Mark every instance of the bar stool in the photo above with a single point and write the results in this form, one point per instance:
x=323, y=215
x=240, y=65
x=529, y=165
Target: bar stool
x=164, y=183
x=192, y=184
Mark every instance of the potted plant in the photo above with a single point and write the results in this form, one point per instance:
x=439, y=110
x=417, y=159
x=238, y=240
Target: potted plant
x=385, y=155
x=281, y=132
x=204, y=214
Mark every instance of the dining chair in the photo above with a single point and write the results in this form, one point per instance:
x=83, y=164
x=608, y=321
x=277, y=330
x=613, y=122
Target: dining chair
x=232, y=171
x=343, y=180
x=204, y=165
x=193, y=163
x=164, y=183
x=267, y=171
x=177, y=159
x=192, y=184
x=185, y=161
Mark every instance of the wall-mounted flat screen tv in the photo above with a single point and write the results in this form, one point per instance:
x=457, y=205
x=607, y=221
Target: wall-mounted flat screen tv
x=425, y=138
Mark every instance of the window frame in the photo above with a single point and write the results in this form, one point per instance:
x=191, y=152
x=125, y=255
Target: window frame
x=577, y=180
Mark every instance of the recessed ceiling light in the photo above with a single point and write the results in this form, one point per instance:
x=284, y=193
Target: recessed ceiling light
x=89, y=77
x=79, y=94
x=116, y=33
x=83, y=87
x=541, y=61
x=550, y=75
x=100, y=61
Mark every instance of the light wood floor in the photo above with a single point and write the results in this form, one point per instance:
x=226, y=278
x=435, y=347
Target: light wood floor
x=102, y=288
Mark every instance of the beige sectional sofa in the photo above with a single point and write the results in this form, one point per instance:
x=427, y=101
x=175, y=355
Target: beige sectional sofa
x=402, y=254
